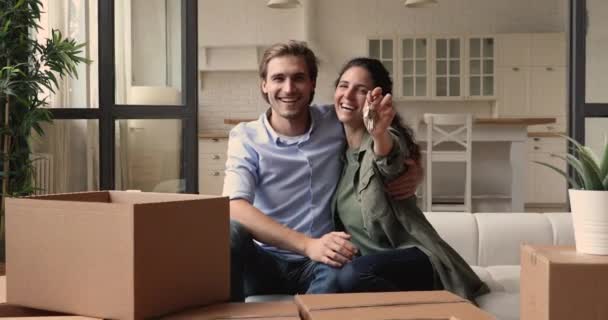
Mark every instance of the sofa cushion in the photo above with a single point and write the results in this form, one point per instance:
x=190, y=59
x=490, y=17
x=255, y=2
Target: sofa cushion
x=501, y=235
x=459, y=229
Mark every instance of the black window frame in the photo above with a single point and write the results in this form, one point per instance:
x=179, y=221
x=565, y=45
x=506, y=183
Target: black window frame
x=108, y=111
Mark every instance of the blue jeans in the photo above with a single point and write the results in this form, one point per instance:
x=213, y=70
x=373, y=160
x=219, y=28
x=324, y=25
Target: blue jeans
x=392, y=270
x=256, y=271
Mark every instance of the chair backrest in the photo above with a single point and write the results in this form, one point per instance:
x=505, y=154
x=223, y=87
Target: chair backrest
x=449, y=127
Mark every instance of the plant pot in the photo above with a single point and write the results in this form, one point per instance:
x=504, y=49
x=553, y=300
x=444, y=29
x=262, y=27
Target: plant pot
x=590, y=220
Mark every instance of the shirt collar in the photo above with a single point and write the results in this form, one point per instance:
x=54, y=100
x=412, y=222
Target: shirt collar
x=276, y=138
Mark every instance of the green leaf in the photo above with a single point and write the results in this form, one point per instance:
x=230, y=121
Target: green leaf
x=593, y=181
x=604, y=161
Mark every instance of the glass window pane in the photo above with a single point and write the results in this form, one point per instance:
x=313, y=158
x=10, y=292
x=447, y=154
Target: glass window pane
x=488, y=66
x=408, y=86
x=420, y=48
x=420, y=86
x=442, y=67
x=475, y=67
x=148, y=155
x=454, y=48
x=597, y=50
x=388, y=65
x=442, y=49
x=442, y=87
x=595, y=131
x=454, y=86
x=387, y=49
x=488, y=47
x=408, y=67
x=66, y=158
x=475, y=86
x=488, y=86
x=374, y=48
x=76, y=19
x=454, y=67
x=408, y=48
x=421, y=67
x=148, y=52
x=475, y=48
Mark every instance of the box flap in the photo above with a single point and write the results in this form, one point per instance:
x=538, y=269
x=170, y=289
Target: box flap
x=95, y=196
x=262, y=310
x=314, y=302
x=154, y=197
x=564, y=255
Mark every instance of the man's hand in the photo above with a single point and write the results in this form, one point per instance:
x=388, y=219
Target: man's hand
x=334, y=249
x=405, y=185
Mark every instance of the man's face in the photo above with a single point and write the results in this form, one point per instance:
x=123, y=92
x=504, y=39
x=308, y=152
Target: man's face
x=288, y=87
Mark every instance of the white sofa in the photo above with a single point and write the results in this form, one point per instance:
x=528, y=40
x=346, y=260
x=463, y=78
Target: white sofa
x=490, y=243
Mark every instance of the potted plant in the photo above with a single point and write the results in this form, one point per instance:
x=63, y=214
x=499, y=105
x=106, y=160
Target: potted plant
x=28, y=69
x=588, y=196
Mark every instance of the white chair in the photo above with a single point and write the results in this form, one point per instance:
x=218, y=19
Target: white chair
x=448, y=139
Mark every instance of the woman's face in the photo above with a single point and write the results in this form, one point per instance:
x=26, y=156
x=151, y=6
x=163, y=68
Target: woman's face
x=350, y=94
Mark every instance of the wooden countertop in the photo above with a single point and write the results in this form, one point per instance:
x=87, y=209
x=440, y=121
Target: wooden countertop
x=496, y=121
x=212, y=135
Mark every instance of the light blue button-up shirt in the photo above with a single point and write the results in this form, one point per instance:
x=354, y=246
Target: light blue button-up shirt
x=290, y=181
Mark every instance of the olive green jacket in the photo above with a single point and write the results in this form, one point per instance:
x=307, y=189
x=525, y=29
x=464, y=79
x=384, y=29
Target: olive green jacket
x=402, y=224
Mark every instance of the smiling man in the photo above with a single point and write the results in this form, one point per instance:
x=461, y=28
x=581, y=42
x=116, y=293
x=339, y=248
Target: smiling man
x=281, y=173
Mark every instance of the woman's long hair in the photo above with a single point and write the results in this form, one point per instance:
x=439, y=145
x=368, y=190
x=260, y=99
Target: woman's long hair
x=381, y=78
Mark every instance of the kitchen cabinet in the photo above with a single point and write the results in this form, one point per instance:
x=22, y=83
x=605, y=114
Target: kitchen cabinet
x=544, y=185
x=532, y=76
x=211, y=163
x=439, y=67
x=383, y=49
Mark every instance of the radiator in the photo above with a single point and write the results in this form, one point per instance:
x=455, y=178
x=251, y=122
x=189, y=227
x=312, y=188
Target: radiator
x=43, y=173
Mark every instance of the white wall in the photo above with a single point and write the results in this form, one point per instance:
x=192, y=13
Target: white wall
x=339, y=30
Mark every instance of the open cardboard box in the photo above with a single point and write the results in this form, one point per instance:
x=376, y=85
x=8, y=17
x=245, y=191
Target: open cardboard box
x=116, y=254
x=558, y=283
x=285, y=310
x=414, y=305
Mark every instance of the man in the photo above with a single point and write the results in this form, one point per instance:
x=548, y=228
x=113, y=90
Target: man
x=281, y=172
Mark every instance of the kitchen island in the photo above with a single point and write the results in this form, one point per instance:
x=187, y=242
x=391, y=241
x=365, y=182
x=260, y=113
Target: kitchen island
x=500, y=161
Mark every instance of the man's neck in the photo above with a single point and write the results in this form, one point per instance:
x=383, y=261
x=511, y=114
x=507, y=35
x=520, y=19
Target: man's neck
x=290, y=127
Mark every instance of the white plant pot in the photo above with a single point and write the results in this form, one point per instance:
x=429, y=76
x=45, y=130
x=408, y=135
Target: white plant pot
x=590, y=219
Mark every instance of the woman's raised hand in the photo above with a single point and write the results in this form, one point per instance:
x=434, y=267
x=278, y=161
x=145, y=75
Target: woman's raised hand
x=378, y=112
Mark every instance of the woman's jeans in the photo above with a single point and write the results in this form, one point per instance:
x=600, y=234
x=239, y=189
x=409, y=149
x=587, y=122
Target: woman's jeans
x=255, y=271
x=392, y=270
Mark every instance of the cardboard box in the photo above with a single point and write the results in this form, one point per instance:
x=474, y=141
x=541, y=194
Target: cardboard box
x=117, y=255
x=8, y=311
x=249, y=311
x=415, y=305
x=558, y=283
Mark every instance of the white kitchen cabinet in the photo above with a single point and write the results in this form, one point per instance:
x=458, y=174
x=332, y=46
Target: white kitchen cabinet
x=548, y=91
x=414, y=66
x=383, y=49
x=480, y=67
x=545, y=186
x=211, y=163
x=447, y=75
x=532, y=77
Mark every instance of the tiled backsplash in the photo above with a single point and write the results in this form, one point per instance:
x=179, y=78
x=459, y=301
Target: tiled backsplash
x=228, y=94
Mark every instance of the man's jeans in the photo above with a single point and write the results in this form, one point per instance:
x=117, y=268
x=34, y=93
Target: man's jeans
x=255, y=271
x=391, y=270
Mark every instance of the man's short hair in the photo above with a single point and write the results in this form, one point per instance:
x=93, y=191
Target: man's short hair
x=291, y=48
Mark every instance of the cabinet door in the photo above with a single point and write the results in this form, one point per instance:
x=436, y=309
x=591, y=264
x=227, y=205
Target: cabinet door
x=212, y=162
x=548, y=91
x=514, y=50
x=551, y=187
x=513, y=91
x=480, y=66
x=448, y=69
x=383, y=50
x=548, y=49
x=414, y=57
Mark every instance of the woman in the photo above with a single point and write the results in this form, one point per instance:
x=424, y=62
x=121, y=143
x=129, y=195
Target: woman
x=400, y=250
